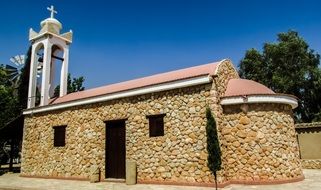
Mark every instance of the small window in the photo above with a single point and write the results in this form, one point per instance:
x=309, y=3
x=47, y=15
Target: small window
x=156, y=125
x=59, y=135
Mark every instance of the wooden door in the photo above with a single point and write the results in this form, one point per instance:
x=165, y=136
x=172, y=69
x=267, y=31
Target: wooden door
x=115, y=149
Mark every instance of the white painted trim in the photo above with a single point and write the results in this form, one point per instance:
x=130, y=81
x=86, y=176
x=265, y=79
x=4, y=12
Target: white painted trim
x=227, y=61
x=273, y=98
x=35, y=38
x=144, y=90
x=218, y=66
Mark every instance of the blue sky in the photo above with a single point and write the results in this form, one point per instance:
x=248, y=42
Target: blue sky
x=124, y=39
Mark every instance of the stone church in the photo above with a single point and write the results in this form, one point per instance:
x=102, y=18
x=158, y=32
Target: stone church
x=158, y=122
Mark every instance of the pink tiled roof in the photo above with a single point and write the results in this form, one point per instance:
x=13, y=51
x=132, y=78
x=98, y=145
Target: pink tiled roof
x=242, y=87
x=207, y=69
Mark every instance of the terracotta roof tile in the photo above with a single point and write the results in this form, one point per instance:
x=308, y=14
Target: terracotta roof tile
x=207, y=69
x=242, y=87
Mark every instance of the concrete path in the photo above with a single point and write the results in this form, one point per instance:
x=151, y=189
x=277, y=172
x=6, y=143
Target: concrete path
x=14, y=182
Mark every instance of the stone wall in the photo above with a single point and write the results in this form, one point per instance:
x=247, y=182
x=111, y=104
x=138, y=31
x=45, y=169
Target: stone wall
x=180, y=155
x=260, y=145
x=311, y=163
x=256, y=146
x=224, y=72
x=309, y=139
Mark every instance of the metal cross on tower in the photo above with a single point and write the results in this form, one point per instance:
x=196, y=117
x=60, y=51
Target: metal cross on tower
x=52, y=11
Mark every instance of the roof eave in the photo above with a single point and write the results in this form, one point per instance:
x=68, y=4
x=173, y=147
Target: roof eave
x=123, y=94
x=261, y=98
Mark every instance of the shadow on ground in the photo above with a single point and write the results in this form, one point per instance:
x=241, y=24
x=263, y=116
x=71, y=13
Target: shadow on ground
x=4, y=169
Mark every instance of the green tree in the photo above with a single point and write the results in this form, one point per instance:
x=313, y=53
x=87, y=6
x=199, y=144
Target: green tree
x=8, y=102
x=213, y=146
x=288, y=66
x=11, y=106
x=74, y=85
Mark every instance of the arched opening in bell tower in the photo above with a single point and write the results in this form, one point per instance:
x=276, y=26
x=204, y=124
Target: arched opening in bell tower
x=39, y=53
x=57, y=60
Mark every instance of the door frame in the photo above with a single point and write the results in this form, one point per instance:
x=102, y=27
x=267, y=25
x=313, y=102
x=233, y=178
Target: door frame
x=109, y=123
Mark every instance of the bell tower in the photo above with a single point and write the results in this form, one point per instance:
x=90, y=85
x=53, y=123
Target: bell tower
x=47, y=45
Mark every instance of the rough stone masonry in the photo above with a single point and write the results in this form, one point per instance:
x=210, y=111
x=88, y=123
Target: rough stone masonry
x=258, y=146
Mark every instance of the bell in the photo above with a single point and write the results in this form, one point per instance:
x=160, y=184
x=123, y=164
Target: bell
x=40, y=59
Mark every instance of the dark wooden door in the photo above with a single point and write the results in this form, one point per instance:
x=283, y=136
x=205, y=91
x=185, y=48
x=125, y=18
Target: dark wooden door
x=115, y=149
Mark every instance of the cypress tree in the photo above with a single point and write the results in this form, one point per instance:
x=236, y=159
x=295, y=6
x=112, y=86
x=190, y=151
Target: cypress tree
x=213, y=145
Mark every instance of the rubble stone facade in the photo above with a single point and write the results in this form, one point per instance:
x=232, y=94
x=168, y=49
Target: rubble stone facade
x=257, y=146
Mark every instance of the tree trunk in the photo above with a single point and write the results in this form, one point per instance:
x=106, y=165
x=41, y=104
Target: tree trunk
x=11, y=156
x=215, y=178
